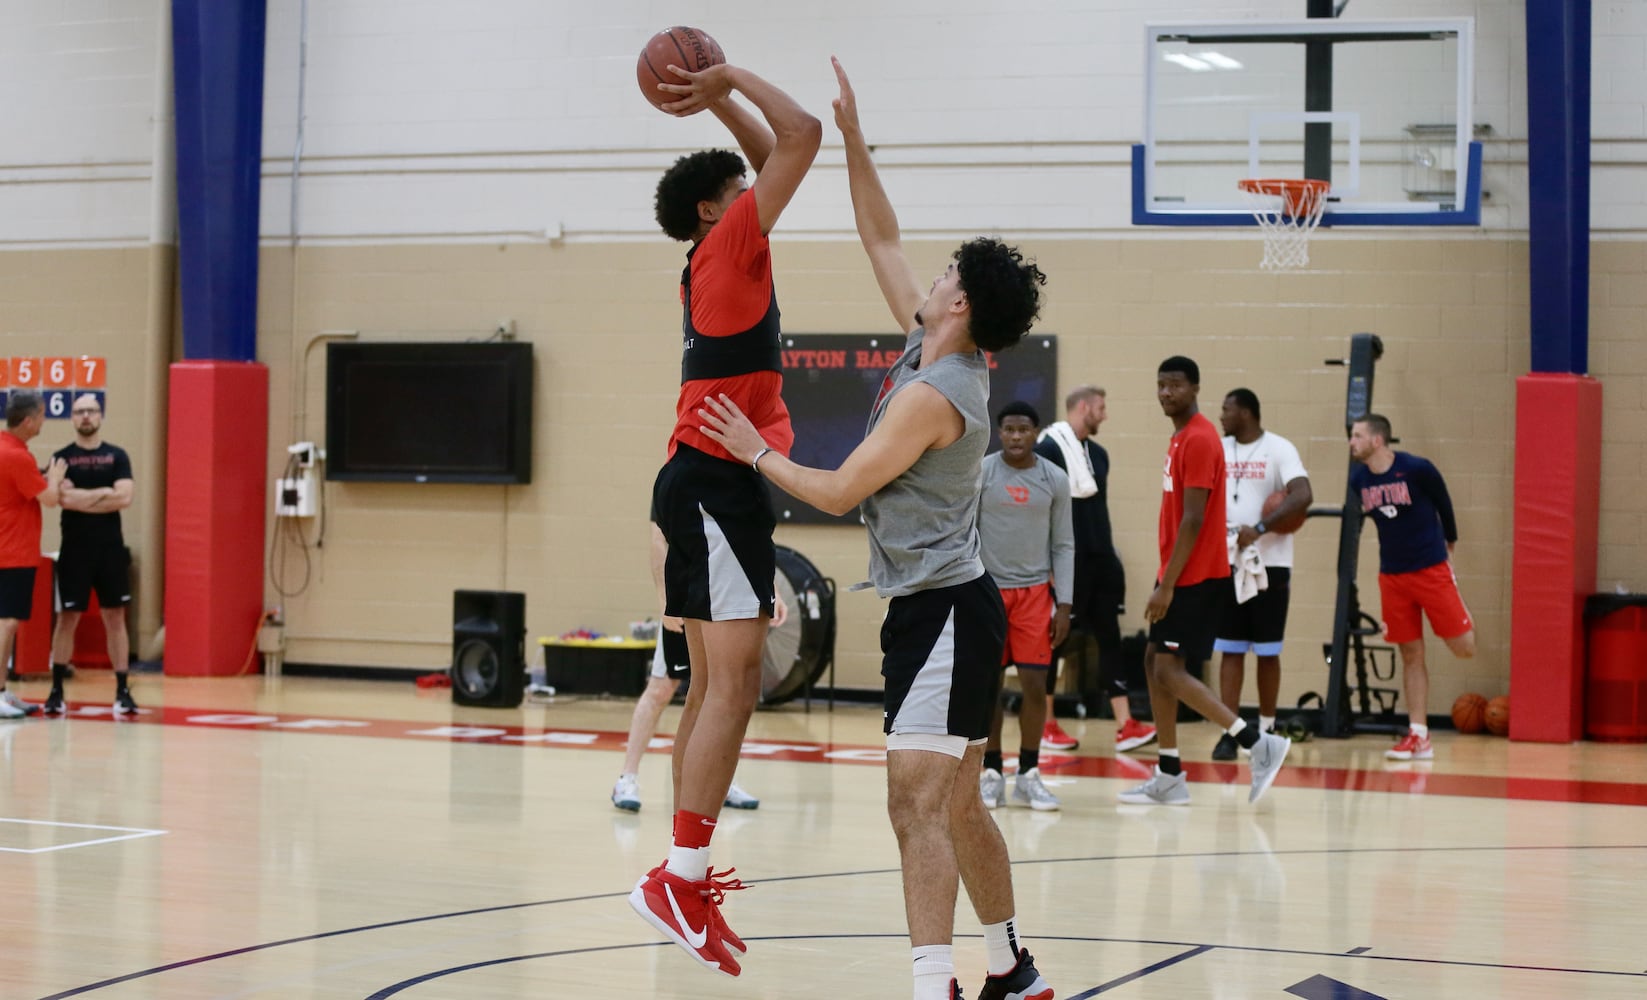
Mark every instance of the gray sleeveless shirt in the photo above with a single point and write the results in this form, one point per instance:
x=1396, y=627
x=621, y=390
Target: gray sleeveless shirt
x=923, y=525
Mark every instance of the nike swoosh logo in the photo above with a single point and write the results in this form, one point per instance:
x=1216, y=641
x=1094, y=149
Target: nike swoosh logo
x=707, y=822
x=693, y=938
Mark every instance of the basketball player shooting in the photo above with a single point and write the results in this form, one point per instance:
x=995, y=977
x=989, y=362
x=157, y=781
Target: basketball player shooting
x=714, y=510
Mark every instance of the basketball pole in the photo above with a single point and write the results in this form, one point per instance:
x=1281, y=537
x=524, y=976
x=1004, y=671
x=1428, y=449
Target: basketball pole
x=1365, y=350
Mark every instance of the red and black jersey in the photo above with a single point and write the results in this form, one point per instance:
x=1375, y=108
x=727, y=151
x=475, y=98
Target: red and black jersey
x=730, y=332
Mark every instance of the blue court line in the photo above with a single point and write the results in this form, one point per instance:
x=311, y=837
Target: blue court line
x=1141, y=973
x=505, y=907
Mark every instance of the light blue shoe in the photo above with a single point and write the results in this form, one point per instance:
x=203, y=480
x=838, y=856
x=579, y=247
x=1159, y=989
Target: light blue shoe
x=737, y=798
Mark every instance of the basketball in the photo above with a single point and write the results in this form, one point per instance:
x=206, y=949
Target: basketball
x=1497, y=716
x=688, y=48
x=1272, y=503
x=1469, y=713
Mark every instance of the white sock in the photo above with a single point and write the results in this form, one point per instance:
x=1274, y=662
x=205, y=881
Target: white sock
x=1420, y=731
x=934, y=968
x=1168, y=753
x=1266, y=723
x=690, y=863
x=1236, y=726
x=1002, y=942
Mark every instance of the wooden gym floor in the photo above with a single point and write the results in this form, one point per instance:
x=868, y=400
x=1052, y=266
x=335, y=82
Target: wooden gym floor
x=332, y=839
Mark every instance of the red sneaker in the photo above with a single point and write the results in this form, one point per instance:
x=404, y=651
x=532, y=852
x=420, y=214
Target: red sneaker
x=719, y=886
x=1133, y=734
x=1411, y=747
x=1053, y=737
x=686, y=914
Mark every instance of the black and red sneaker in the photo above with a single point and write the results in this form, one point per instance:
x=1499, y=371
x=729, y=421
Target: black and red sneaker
x=1022, y=983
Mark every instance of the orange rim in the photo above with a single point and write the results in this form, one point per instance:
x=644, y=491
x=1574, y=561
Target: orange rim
x=1299, y=196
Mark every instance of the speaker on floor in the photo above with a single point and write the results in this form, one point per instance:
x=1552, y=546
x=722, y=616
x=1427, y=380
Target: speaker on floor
x=488, y=648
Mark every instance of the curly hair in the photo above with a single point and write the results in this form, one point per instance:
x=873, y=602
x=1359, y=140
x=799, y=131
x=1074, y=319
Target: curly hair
x=1003, y=289
x=700, y=176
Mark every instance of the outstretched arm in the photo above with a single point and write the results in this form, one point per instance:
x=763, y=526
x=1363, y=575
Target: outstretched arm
x=780, y=164
x=917, y=419
x=877, y=222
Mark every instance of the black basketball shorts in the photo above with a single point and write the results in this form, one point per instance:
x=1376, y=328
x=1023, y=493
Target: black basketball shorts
x=1192, y=618
x=1258, y=624
x=941, y=658
x=717, y=518
x=82, y=569
x=17, y=592
x=672, y=658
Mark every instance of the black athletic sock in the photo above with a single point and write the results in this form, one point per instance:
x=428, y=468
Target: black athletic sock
x=59, y=674
x=1170, y=764
x=1029, y=760
x=992, y=760
x=119, y=682
x=1248, y=736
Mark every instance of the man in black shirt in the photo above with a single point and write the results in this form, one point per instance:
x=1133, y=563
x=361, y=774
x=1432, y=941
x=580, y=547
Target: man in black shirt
x=1100, y=582
x=96, y=489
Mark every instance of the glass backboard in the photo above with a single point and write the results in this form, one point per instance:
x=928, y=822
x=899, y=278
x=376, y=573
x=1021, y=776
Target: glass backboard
x=1379, y=109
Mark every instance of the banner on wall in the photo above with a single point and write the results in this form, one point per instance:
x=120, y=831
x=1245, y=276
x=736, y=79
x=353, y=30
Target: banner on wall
x=58, y=380
x=830, y=381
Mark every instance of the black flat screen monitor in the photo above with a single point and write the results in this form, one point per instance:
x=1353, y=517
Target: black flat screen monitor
x=429, y=412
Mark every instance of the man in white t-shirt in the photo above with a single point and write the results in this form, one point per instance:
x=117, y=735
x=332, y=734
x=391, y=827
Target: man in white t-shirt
x=1258, y=464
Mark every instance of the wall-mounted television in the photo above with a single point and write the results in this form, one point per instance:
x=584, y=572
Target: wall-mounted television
x=429, y=412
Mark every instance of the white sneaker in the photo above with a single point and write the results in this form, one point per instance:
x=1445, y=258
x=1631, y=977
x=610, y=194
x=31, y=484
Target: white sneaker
x=13, y=707
x=1029, y=790
x=737, y=798
x=1267, y=755
x=1160, y=790
x=626, y=793
x=992, y=786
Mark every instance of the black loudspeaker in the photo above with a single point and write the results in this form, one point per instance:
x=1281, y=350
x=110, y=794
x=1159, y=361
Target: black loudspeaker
x=488, y=648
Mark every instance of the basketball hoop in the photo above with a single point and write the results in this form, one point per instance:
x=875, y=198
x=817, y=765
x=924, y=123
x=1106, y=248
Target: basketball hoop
x=1287, y=211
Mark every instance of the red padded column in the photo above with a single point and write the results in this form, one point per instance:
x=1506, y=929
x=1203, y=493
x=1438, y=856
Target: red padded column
x=1557, y=505
x=216, y=497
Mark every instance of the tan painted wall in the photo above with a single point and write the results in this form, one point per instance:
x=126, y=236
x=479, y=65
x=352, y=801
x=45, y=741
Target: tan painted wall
x=116, y=304
x=1451, y=311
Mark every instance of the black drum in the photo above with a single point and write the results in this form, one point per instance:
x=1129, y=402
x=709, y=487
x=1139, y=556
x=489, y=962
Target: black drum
x=798, y=651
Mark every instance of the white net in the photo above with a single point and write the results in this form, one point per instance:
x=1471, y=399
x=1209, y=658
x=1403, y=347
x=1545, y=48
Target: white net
x=1287, y=212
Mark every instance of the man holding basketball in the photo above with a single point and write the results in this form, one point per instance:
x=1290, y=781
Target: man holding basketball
x=1194, y=576
x=1407, y=498
x=916, y=478
x=713, y=509
x=1258, y=464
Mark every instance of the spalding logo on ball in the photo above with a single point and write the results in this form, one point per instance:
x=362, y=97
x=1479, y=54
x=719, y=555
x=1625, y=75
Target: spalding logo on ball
x=689, y=48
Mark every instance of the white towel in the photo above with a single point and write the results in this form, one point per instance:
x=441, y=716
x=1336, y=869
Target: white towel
x=1247, y=571
x=1082, y=483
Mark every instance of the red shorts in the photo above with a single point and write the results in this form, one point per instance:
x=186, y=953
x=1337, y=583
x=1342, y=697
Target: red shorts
x=1432, y=591
x=1029, y=626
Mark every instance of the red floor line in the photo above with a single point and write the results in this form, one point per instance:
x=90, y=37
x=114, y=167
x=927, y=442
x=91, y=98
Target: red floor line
x=1404, y=779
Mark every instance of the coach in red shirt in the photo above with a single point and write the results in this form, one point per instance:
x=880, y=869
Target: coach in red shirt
x=1191, y=590
x=22, y=492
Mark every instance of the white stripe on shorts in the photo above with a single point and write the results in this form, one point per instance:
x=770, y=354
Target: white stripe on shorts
x=925, y=708
x=731, y=598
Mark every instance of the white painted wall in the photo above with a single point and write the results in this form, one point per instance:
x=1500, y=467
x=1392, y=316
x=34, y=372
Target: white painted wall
x=512, y=120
